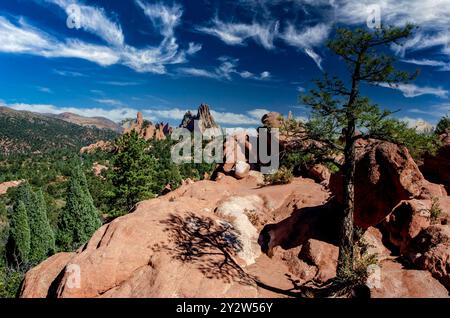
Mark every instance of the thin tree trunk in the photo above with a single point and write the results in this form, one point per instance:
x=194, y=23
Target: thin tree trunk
x=345, y=260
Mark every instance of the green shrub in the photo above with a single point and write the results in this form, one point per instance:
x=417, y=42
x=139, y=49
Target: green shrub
x=436, y=210
x=281, y=176
x=10, y=282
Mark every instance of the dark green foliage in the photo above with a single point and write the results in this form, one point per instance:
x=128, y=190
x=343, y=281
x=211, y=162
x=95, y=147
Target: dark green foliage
x=132, y=174
x=442, y=125
x=42, y=236
x=3, y=213
x=10, y=280
x=281, y=176
x=165, y=171
x=19, y=235
x=79, y=218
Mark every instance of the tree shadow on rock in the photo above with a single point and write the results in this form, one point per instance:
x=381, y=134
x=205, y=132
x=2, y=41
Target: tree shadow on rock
x=211, y=245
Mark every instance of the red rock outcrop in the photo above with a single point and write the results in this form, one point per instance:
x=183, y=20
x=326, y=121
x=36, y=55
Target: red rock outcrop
x=437, y=167
x=150, y=252
x=406, y=221
x=430, y=250
x=207, y=231
x=10, y=184
x=385, y=175
x=200, y=122
x=97, y=169
x=148, y=130
x=105, y=146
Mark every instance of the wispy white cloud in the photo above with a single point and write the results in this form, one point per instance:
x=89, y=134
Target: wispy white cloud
x=225, y=70
x=198, y=72
x=119, y=83
x=258, y=113
x=165, y=18
x=107, y=101
x=25, y=39
x=412, y=90
x=21, y=38
x=94, y=20
x=193, y=48
x=239, y=33
x=428, y=14
x=69, y=73
x=44, y=89
x=307, y=38
x=315, y=57
x=436, y=111
x=442, y=65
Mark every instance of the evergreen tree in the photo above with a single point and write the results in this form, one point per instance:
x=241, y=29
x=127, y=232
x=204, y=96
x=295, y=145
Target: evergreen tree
x=442, y=125
x=338, y=108
x=42, y=236
x=19, y=237
x=3, y=212
x=25, y=194
x=132, y=173
x=79, y=219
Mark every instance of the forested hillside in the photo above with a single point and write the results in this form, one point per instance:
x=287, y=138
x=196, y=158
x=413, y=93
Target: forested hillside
x=26, y=132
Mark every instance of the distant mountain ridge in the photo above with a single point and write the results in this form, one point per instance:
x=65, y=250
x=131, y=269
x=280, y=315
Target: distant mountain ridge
x=98, y=122
x=27, y=132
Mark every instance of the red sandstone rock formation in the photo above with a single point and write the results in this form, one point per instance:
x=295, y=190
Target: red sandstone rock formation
x=148, y=130
x=10, y=184
x=202, y=121
x=438, y=167
x=150, y=252
x=101, y=145
x=385, y=175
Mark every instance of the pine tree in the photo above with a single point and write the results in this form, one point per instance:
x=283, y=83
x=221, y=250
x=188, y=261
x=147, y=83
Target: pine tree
x=19, y=237
x=42, y=236
x=338, y=108
x=3, y=212
x=24, y=193
x=133, y=173
x=79, y=219
x=442, y=125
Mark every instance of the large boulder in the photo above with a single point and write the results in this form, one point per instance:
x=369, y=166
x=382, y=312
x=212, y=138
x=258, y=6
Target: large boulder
x=394, y=281
x=205, y=231
x=241, y=169
x=323, y=256
x=38, y=280
x=437, y=167
x=385, y=175
x=430, y=250
x=406, y=221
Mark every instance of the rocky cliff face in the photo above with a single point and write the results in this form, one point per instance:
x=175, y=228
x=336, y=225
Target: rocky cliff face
x=385, y=175
x=437, y=167
x=200, y=122
x=148, y=130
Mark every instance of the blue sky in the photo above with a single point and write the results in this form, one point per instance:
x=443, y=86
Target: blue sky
x=242, y=57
